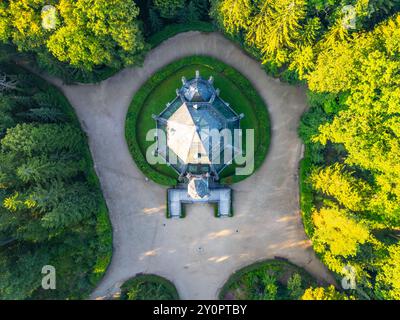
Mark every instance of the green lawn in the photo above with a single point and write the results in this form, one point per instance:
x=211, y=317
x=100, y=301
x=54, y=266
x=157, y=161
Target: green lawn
x=268, y=280
x=148, y=287
x=160, y=89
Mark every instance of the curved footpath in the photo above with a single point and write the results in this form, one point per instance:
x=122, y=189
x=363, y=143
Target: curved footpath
x=200, y=252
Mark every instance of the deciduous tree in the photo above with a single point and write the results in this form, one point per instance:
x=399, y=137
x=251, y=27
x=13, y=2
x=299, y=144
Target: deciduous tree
x=321, y=293
x=338, y=232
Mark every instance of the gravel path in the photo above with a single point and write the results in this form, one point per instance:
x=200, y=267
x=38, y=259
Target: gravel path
x=200, y=252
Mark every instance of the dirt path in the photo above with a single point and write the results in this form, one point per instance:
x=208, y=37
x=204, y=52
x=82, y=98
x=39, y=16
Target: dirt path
x=200, y=252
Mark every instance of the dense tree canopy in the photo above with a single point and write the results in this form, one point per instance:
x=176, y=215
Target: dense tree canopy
x=233, y=15
x=276, y=27
x=348, y=52
x=320, y=293
x=87, y=33
x=48, y=207
x=368, y=126
x=292, y=32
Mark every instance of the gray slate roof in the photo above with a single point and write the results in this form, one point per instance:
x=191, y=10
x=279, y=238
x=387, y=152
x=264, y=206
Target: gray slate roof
x=188, y=121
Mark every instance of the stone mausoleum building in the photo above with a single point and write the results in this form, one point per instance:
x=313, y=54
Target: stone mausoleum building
x=191, y=147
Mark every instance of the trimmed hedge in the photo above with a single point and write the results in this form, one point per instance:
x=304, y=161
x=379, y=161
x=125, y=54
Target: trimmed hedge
x=149, y=287
x=173, y=29
x=306, y=193
x=245, y=87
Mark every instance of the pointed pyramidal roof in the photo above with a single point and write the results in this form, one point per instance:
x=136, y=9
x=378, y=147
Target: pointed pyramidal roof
x=190, y=121
x=183, y=137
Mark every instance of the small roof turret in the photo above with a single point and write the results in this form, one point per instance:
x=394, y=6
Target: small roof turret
x=197, y=90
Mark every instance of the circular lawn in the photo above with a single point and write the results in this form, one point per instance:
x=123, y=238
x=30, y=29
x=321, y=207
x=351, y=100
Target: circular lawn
x=160, y=89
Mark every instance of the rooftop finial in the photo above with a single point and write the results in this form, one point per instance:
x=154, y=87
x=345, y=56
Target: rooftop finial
x=211, y=80
x=197, y=74
x=183, y=80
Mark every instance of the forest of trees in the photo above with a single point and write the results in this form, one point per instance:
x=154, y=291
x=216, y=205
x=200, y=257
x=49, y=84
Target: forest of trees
x=347, y=53
x=52, y=211
x=351, y=171
x=51, y=203
x=86, y=33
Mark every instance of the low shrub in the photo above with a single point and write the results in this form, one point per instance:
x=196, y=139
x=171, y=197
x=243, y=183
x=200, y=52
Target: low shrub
x=148, y=287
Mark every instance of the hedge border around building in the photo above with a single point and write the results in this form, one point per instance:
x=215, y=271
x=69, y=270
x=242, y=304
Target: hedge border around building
x=231, y=74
